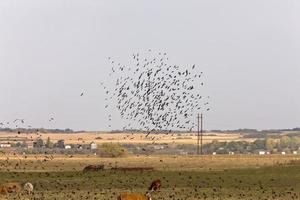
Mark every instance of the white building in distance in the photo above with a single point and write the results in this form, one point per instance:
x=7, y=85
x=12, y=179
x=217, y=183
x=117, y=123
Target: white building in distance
x=94, y=146
x=5, y=145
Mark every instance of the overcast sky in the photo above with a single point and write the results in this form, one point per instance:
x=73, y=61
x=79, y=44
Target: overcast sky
x=52, y=50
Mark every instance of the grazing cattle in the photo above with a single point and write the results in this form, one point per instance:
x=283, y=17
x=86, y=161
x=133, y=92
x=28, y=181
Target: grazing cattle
x=93, y=168
x=134, y=196
x=7, y=188
x=155, y=185
x=28, y=188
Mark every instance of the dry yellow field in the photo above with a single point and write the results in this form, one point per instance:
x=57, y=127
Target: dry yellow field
x=102, y=137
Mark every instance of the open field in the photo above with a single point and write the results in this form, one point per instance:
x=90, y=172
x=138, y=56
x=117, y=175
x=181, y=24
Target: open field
x=205, y=177
x=27, y=163
x=124, y=138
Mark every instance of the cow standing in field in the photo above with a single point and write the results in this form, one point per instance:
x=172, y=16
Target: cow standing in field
x=155, y=185
x=8, y=188
x=93, y=168
x=28, y=188
x=133, y=196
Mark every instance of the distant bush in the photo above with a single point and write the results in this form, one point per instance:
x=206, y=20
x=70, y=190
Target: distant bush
x=111, y=150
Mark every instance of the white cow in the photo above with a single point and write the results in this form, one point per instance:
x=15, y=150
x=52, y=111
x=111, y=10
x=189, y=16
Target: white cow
x=28, y=188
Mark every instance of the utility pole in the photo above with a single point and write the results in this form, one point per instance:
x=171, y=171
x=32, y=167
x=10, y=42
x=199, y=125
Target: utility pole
x=200, y=134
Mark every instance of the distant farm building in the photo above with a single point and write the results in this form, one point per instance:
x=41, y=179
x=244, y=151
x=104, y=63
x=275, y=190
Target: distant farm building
x=182, y=152
x=5, y=145
x=158, y=147
x=68, y=147
x=261, y=153
x=94, y=146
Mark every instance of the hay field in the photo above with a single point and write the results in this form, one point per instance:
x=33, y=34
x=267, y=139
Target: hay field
x=123, y=138
x=184, y=177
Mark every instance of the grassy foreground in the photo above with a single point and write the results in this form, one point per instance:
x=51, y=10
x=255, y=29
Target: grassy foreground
x=277, y=181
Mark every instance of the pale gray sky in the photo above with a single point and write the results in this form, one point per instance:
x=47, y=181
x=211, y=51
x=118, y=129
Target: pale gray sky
x=51, y=50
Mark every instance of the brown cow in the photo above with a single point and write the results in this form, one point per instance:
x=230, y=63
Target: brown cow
x=155, y=185
x=134, y=196
x=93, y=168
x=7, y=188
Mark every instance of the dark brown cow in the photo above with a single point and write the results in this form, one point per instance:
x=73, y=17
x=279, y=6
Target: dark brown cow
x=93, y=168
x=155, y=185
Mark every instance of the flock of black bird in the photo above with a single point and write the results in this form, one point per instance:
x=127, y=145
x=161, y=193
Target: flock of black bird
x=153, y=95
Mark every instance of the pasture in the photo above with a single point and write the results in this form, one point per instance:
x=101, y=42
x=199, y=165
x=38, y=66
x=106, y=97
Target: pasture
x=206, y=177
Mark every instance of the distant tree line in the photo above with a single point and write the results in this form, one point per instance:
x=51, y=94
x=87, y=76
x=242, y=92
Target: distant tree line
x=40, y=130
x=253, y=131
